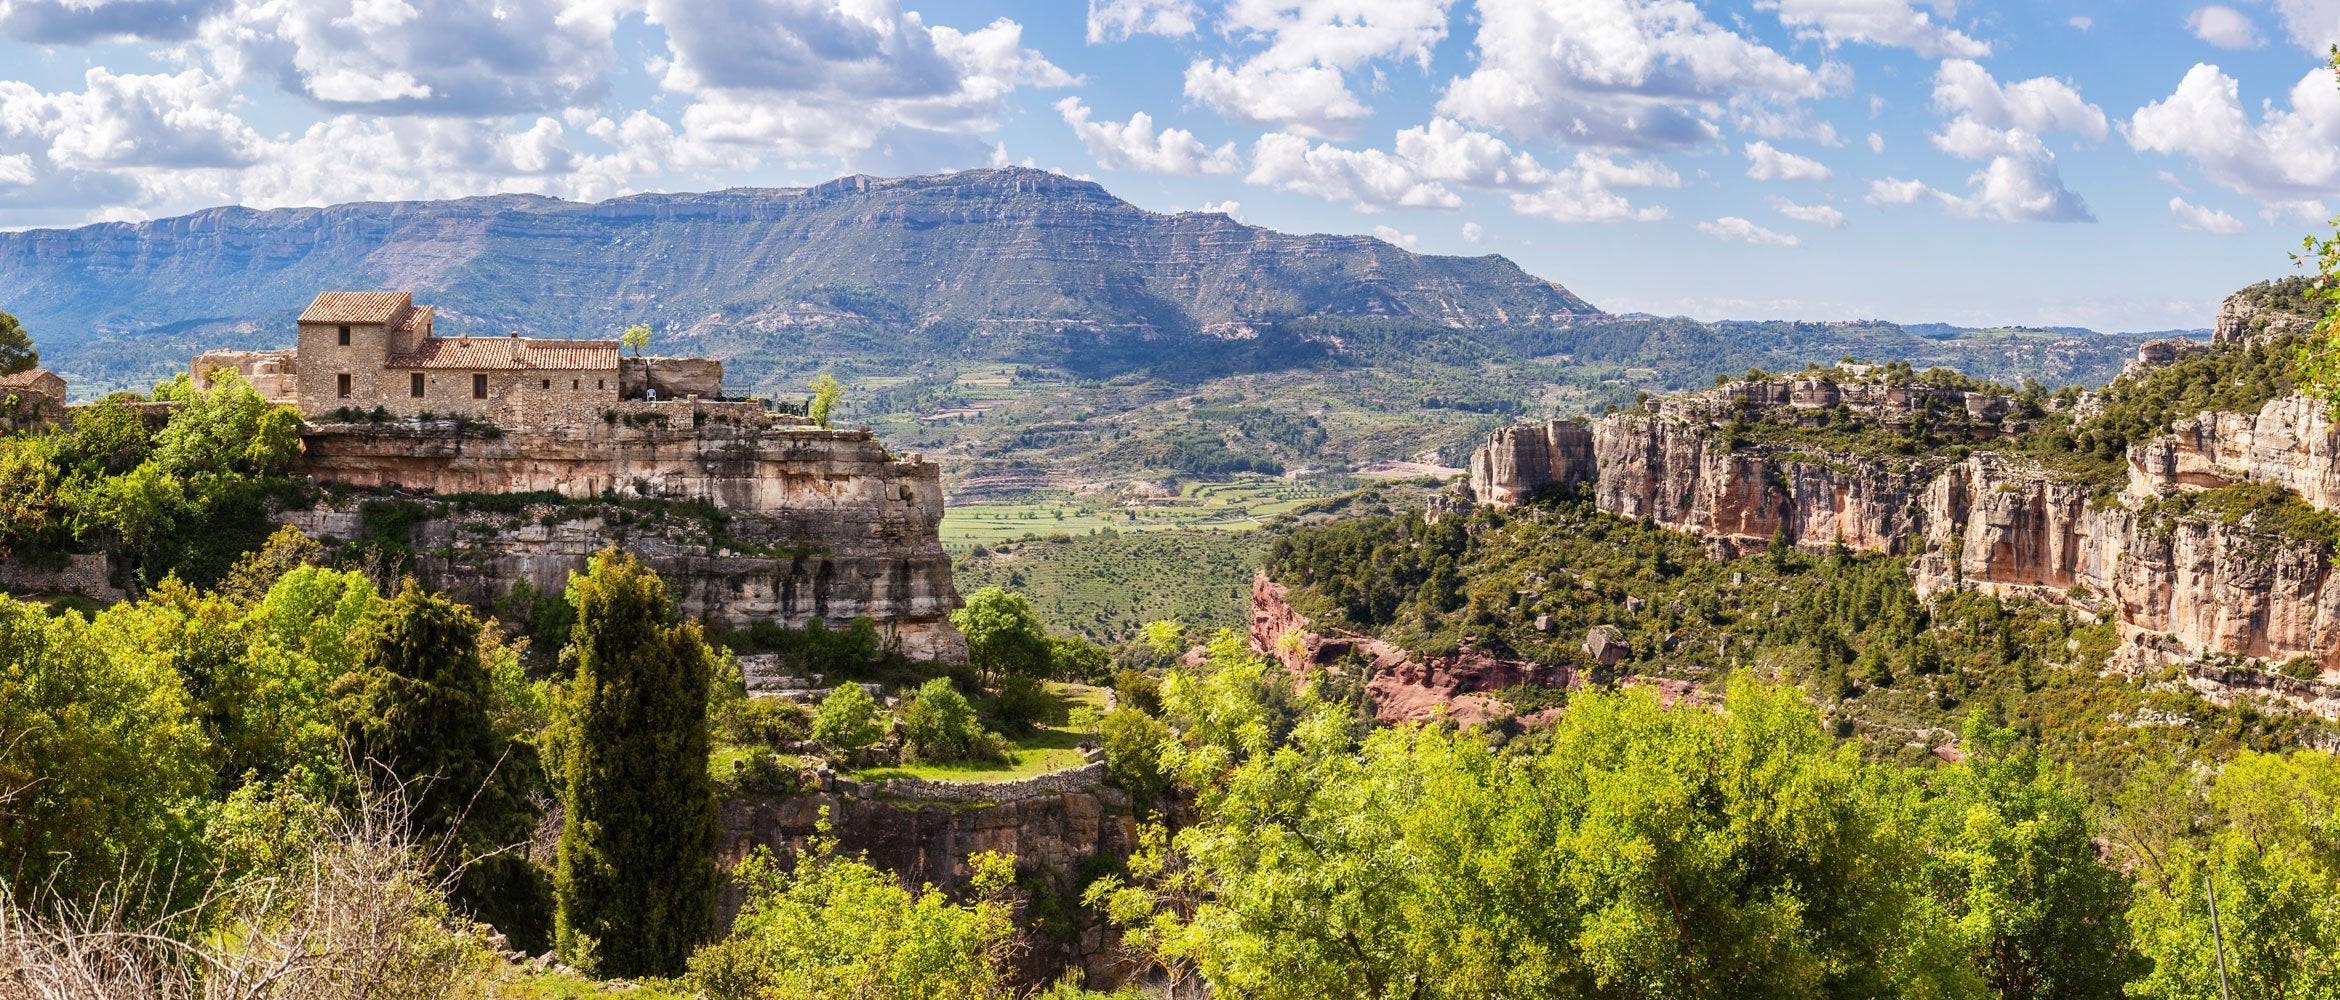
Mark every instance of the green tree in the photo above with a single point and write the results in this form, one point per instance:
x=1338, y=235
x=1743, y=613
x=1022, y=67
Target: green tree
x=939, y=726
x=636, y=876
x=848, y=718
x=1003, y=634
x=16, y=347
x=637, y=337
x=825, y=391
x=2015, y=863
x=2316, y=367
x=420, y=706
x=102, y=760
x=838, y=928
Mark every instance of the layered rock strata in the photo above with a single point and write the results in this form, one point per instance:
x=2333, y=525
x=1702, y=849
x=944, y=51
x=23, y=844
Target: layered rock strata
x=2183, y=584
x=782, y=522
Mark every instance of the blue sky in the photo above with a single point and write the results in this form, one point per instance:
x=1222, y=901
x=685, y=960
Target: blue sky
x=2120, y=165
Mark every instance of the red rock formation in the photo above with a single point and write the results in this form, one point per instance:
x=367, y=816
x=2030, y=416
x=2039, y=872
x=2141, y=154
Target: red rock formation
x=1404, y=688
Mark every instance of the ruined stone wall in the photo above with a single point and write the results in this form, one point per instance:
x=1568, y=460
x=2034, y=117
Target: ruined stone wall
x=275, y=375
x=674, y=378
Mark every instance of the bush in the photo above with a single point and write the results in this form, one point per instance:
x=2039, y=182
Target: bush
x=939, y=727
x=1139, y=690
x=766, y=722
x=848, y=719
x=1024, y=703
x=1133, y=750
x=1078, y=659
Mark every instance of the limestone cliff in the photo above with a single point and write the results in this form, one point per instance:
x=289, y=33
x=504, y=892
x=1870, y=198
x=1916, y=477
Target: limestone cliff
x=1405, y=688
x=776, y=521
x=2185, y=580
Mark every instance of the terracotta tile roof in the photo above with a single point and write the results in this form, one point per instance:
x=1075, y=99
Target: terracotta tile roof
x=28, y=378
x=510, y=354
x=358, y=307
x=419, y=316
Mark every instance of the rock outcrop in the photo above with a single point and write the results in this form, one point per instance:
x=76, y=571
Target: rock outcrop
x=1405, y=688
x=766, y=522
x=1054, y=838
x=2183, y=583
x=1530, y=456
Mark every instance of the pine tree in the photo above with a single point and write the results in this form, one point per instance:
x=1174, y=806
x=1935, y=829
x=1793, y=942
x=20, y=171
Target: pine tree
x=419, y=706
x=636, y=878
x=16, y=347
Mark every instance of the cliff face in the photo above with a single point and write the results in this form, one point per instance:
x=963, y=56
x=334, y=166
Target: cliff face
x=1054, y=837
x=789, y=523
x=1686, y=477
x=1560, y=451
x=1460, y=685
x=2183, y=582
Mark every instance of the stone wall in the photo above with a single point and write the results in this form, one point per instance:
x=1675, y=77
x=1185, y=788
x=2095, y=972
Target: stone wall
x=87, y=575
x=1054, y=837
x=673, y=378
x=275, y=375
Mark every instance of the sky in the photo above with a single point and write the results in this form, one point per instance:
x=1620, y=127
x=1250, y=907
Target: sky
x=2117, y=164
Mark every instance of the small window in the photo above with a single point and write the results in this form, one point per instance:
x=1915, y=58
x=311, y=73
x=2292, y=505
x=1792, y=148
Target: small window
x=345, y=335
x=597, y=384
x=414, y=385
x=576, y=382
x=479, y=387
x=548, y=383
x=341, y=384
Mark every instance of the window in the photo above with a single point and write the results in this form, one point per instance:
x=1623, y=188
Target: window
x=341, y=384
x=576, y=382
x=479, y=387
x=548, y=383
x=414, y=385
x=597, y=384
x=345, y=335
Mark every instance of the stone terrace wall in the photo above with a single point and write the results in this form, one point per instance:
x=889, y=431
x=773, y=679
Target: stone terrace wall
x=1078, y=779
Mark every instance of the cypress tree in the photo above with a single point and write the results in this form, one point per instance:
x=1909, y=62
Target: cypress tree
x=419, y=705
x=636, y=878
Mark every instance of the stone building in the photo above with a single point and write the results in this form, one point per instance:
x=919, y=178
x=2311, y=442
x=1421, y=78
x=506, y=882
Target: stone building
x=368, y=351
x=31, y=398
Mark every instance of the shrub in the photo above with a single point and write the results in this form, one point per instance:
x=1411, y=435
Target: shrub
x=940, y=727
x=1139, y=690
x=1133, y=750
x=1024, y=703
x=766, y=722
x=848, y=719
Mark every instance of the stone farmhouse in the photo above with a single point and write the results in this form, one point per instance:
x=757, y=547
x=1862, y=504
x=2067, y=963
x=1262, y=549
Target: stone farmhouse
x=368, y=351
x=32, y=398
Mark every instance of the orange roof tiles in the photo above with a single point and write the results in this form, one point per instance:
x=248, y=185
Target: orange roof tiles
x=28, y=378
x=510, y=354
x=419, y=316
x=358, y=307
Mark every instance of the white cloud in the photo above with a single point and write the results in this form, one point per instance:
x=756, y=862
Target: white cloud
x=2003, y=124
x=2082, y=23
x=1624, y=74
x=2313, y=24
x=2291, y=156
x=1895, y=191
x=1372, y=179
x=1117, y=20
x=80, y=22
x=1825, y=215
x=1298, y=83
x=2041, y=105
x=2205, y=220
x=1391, y=235
x=2224, y=27
x=1473, y=233
x=1765, y=163
x=1586, y=191
x=1136, y=146
x=1877, y=22
x=1230, y=208
x=16, y=169
x=150, y=121
x=1446, y=150
x=1733, y=228
x=1876, y=142
x=446, y=57
x=865, y=79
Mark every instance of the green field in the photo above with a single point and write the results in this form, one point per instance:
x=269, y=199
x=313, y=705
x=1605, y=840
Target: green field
x=1104, y=587
x=1239, y=505
x=1044, y=751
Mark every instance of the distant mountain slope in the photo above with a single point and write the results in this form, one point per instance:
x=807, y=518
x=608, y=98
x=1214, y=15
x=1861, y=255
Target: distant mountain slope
x=1015, y=261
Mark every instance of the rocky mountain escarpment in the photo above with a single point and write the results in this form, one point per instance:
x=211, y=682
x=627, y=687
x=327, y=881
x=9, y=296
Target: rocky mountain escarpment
x=1405, y=688
x=2221, y=543
x=748, y=519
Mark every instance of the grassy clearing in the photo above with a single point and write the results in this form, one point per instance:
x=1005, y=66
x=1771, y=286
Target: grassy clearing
x=1236, y=505
x=1041, y=751
x=1103, y=588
